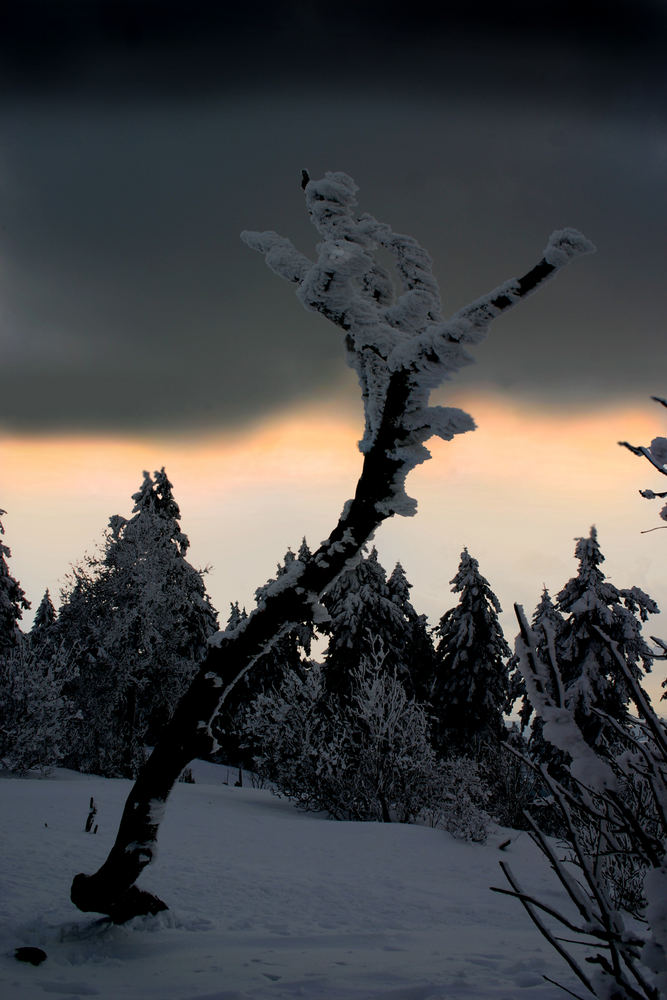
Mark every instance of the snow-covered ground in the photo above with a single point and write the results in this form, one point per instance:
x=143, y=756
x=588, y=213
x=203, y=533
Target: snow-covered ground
x=267, y=903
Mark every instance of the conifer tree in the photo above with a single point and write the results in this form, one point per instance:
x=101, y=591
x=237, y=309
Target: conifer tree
x=168, y=617
x=470, y=691
x=35, y=712
x=139, y=618
x=414, y=639
x=599, y=613
x=237, y=615
x=362, y=610
x=43, y=635
x=34, y=709
x=45, y=615
x=49, y=651
x=13, y=601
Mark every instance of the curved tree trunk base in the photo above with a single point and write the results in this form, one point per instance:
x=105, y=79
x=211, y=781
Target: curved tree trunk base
x=133, y=902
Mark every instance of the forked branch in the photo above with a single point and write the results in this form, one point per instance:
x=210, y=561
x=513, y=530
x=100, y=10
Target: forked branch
x=401, y=348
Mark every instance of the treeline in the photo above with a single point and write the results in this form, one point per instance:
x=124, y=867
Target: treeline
x=399, y=720
x=91, y=685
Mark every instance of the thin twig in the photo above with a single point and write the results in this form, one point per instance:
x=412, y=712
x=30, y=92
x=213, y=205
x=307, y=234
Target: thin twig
x=525, y=898
x=560, y=986
x=528, y=904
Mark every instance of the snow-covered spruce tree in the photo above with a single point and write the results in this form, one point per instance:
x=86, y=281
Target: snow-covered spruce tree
x=588, y=664
x=44, y=637
x=45, y=617
x=36, y=712
x=102, y=738
x=469, y=694
x=13, y=601
x=167, y=615
x=362, y=609
x=416, y=645
x=401, y=347
x=138, y=619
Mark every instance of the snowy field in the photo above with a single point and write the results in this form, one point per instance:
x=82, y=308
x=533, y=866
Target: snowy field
x=267, y=903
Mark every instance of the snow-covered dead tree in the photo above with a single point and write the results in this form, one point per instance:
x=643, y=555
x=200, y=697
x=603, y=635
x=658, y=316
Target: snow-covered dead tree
x=614, y=811
x=402, y=347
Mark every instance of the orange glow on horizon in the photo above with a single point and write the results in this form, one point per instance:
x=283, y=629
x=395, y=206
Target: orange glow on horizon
x=517, y=492
x=314, y=441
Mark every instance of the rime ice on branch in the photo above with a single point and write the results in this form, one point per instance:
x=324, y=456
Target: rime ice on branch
x=392, y=337
x=401, y=348
x=656, y=454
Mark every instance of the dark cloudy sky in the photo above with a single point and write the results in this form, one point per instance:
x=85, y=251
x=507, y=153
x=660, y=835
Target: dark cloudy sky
x=139, y=138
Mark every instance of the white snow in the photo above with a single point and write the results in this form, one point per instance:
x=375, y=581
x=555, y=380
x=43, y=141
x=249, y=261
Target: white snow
x=267, y=903
x=564, y=244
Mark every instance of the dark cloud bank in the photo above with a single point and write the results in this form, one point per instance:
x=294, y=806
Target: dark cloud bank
x=139, y=139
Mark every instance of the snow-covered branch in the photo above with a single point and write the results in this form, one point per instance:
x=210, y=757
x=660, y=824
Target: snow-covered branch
x=612, y=804
x=656, y=454
x=545, y=691
x=395, y=337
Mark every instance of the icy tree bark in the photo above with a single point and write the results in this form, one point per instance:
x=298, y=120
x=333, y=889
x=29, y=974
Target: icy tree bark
x=401, y=348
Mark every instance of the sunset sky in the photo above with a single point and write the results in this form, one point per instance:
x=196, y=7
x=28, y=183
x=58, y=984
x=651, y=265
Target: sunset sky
x=137, y=331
